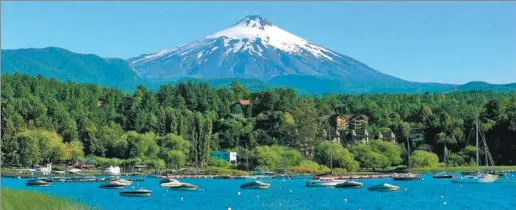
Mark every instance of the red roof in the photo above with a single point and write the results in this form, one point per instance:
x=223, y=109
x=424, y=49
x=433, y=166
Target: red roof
x=244, y=102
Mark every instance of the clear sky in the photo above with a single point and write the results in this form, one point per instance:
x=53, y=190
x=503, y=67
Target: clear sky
x=451, y=42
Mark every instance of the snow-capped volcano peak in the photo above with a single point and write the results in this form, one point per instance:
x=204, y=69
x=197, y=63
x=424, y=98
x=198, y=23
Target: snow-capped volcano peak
x=254, y=21
x=251, y=48
x=252, y=29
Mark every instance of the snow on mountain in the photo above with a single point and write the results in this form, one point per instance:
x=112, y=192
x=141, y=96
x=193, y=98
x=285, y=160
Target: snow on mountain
x=253, y=48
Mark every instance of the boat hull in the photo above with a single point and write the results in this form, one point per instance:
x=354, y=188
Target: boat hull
x=255, y=186
x=474, y=179
x=136, y=194
x=350, y=184
x=384, y=188
x=323, y=183
x=443, y=176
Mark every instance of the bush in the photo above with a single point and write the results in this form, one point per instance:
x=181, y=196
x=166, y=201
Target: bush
x=424, y=159
x=340, y=156
x=219, y=163
x=308, y=166
x=225, y=171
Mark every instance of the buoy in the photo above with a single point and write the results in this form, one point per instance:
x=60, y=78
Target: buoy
x=461, y=185
x=229, y=208
x=406, y=189
x=257, y=196
x=345, y=200
x=444, y=203
x=239, y=193
x=280, y=204
x=290, y=191
x=182, y=199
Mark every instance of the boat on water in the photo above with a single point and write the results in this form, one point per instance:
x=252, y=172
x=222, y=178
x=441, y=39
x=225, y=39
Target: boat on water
x=385, y=187
x=443, y=174
x=349, y=184
x=222, y=177
x=498, y=173
x=478, y=177
x=113, y=185
x=174, y=184
x=140, y=192
x=255, y=185
x=324, y=182
x=37, y=183
x=124, y=181
x=407, y=176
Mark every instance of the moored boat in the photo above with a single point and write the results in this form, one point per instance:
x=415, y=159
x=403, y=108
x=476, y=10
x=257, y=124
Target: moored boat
x=282, y=176
x=349, y=184
x=113, y=185
x=255, y=185
x=407, y=177
x=302, y=176
x=478, y=178
x=184, y=187
x=246, y=177
x=442, y=175
x=324, y=182
x=385, y=187
x=37, y=183
x=140, y=192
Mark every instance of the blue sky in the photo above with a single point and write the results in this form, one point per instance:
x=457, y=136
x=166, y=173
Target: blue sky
x=451, y=42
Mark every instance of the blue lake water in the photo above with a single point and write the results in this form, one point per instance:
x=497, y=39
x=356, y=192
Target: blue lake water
x=292, y=194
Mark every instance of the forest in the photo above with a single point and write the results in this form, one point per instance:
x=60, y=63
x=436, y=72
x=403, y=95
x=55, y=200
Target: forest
x=45, y=120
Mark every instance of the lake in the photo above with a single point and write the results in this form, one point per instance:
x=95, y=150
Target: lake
x=292, y=194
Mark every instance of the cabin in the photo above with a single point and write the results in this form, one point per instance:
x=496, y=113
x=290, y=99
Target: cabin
x=237, y=107
x=386, y=136
x=349, y=128
x=226, y=156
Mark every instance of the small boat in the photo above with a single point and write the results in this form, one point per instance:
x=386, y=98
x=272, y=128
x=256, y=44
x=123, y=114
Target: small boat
x=37, y=183
x=349, y=184
x=384, y=188
x=442, y=175
x=185, y=187
x=140, y=192
x=113, y=185
x=255, y=185
x=124, y=182
x=407, y=177
x=222, y=177
x=324, y=182
x=169, y=183
x=498, y=173
x=478, y=178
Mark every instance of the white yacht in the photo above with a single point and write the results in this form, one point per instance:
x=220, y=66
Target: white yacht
x=324, y=182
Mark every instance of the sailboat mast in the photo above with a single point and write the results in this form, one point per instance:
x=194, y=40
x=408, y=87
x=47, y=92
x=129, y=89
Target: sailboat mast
x=445, y=158
x=408, y=155
x=476, y=139
x=246, y=157
x=284, y=163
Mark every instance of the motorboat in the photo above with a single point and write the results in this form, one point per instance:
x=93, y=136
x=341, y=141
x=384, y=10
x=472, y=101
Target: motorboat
x=385, y=187
x=255, y=185
x=407, y=177
x=169, y=183
x=140, y=192
x=222, y=177
x=37, y=183
x=349, y=184
x=184, y=187
x=477, y=178
x=324, y=182
x=124, y=181
x=442, y=175
x=113, y=185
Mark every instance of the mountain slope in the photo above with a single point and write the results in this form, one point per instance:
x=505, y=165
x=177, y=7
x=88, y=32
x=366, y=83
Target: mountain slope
x=52, y=62
x=254, y=48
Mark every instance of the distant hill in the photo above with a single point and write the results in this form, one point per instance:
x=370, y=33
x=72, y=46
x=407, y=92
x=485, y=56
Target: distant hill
x=64, y=65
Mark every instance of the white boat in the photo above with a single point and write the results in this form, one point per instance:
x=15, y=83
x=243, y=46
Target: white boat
x=349, y=184
x=174, y=184
x=124, y=182
x=113, y=185
x=255, y=185
x=282, y=176
x=37, y=183
x=384, y=188
x=478, y=177
x=324, y=182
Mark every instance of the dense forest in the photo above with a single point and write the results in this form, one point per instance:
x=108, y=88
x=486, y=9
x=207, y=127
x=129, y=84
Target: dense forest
x=44, y=120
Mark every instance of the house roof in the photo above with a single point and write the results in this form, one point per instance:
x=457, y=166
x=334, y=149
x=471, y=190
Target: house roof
x=243, y=102
x=353, y=116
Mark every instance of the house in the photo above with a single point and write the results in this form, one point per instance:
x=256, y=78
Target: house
x=348, y=128
x=226, y=156
x=242, y=102
x=386, y=136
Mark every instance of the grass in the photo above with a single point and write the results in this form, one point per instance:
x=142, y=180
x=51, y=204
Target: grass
x=22, y=199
